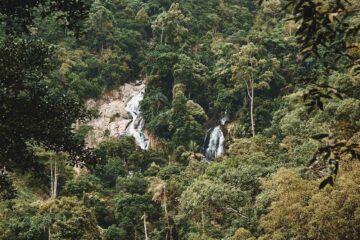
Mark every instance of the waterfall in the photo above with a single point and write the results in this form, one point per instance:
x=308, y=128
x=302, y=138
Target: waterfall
x=214, y=140
x=225, y=118
x=136, y=127
x=216, y=144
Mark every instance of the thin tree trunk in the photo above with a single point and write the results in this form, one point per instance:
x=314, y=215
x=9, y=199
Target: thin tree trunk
x=250, y=93
x=56, y=177
x=145, y=229
x=51, y=179
x=168, y=220
x=252, y=111
x=162, y=33
x=252, y=100
x=166, y=213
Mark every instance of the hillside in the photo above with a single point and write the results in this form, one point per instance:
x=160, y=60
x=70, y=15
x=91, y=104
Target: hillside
x=180, y=120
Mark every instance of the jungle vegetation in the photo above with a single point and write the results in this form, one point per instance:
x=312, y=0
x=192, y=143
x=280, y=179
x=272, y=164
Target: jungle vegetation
x=286, y=71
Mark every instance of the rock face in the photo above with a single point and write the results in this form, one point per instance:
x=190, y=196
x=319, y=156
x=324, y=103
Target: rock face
x=113, y=117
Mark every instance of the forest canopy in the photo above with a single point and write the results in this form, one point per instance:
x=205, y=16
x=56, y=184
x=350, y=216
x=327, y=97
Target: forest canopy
x=251, y=110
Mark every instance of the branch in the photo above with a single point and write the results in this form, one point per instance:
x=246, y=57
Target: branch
x=233, y=210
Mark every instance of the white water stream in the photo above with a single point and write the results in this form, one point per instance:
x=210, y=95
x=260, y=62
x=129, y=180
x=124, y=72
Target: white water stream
x=136, y=126
x=215, y=140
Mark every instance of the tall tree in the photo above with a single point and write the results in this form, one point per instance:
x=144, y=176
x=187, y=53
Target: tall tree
x=31, y=109
x=194, y=75
x=251, y=73
x=99, y=26
x=171, y=25
x=158, y=190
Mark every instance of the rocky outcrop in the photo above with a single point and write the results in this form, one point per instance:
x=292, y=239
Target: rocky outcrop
x=113, y=118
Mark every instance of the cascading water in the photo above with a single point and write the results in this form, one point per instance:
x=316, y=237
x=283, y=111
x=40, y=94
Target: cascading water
x=136, y=126
x=216, y=144
x=215, y=140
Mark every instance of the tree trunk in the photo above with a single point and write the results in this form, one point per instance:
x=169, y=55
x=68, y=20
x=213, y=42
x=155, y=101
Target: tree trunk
x=145, y=229
x=166, y=214
x=56, y=177
x=162, y=33
x=252, y=111
x=251, y=95
x=49, y=232
x=51, y=179
x=203, y=220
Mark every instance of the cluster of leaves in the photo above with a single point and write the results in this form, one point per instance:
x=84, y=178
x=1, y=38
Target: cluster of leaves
x=19, y=14
x=298, y=209
x=7, y=190
x=314, y=98
x=30, y=109
x=326, y=28
x=332, y=152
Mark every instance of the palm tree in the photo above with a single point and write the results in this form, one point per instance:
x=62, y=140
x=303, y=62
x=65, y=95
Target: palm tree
x=158, y=190
x=193, y=146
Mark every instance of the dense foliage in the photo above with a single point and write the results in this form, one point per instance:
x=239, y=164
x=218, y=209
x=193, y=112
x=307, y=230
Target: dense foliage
x=285, y=71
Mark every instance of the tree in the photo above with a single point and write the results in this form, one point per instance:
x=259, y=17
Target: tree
x=68, y=218
x=82, y=184
x=158, y=190
x=7, y=189
x=19, y=13
x=171, y=25
x=55, y=161
x=271, y=8
x=32, y=109
x=22, y=222
x=100, y=25
x=129, y=210
x=207, y=202
x=327, y=30
x=300, y=211
x=252, y=73
x=153, y=104
x=144, y=217
x=186, y=119
x=194, y=75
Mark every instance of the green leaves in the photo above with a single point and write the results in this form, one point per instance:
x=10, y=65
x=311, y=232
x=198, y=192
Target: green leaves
x=314, y=97
x=170, y=26
x=33, y=109
x=19, y=13
x=69, y=219
x=249, y=70
x=324, y=29
x=7, y=190
x=298, y=209
x=194, y=75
